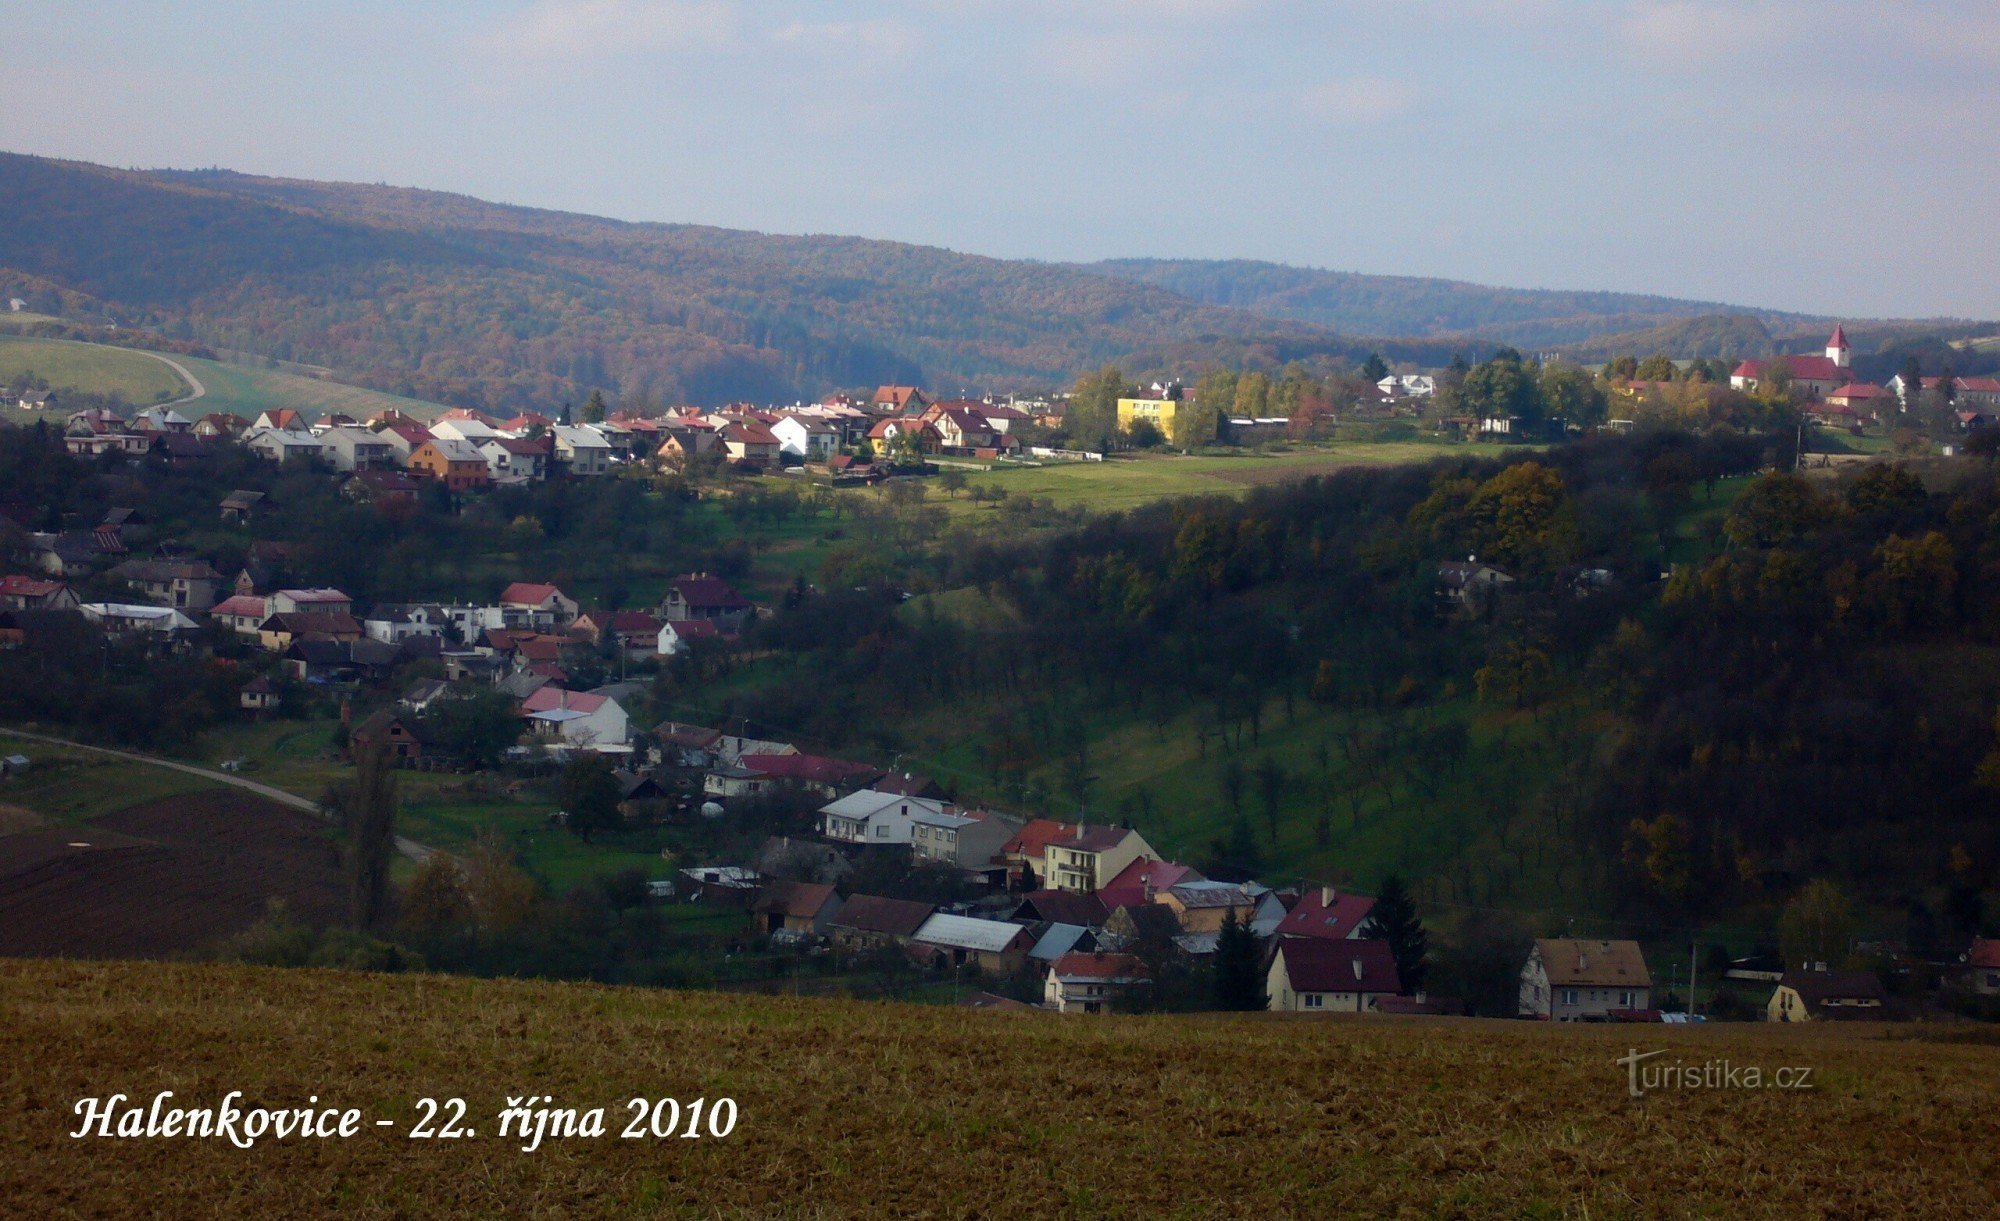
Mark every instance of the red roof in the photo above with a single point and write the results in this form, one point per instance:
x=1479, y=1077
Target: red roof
x=1315, y=917
x=1081, y=964
x=708, y=592
x=813, y=769
x=1804, y=368
x=241, y=604
x=630, y=621
x=1985, y=952
x=1036, y=836
x=1340, y=966
x=409, y=430
x=29, y=587
x=1860, y=390
x=523, y=593
x=1839, y=339
x=552, y=699
x=1980, y=385
x=1164, y=875
x=694, y=629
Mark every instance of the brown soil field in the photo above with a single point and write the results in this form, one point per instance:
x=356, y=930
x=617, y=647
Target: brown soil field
x=162, y=878
x=851, y=1108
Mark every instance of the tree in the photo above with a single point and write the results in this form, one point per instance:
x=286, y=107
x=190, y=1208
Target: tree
x=1233, y=784
x=1196, y=422
x=1817, y=926
x=1913, y=381
x=1092, y=418
x=1271, y=780
x=590, y=796
x=1658, y=367
x=1569, y=393
x=501, y=895
x=1374, y=368
x=1776, y=509
x=953, y=482
x=368, y=809
x=1253, y=395
x=1239, y=977
x=475, y=728
x=593, y=410
x=1395, y=920
x=1625, y=367
x=1503, y=388
x=1885, y=489
x=436, y=902
x=1144, y=434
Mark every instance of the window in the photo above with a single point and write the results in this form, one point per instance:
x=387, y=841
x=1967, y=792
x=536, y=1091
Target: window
x=1624, y=1000
x=1569, y=996
x=882, y=833
x=1315, y=1001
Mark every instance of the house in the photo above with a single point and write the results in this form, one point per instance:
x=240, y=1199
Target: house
x=1024, y=854
x=697, y=595
x=1326, y=914
x=278, y=632
x=402, y=436
x=1144, y=881
x=356, y=449
x=636, y=632
x=1820, y=995
x=1159, y=412
x=275, y=445
x=970, y=840
x=525, y=604
x=470, y=428
x=124, y=619
x=399, y=734
x=816, y=773
x=315, y=601
x=897, y=399
x=33, y=593
x=460, y=466
x=1091, y=856
x=807, y=438
x=1203, y=907
x=34, y=400
x=960, y=427
x=513, y=460
x=260, y=694
x=219, y=426
x=870, y=922
x=869, y=817
x=161, y=420
x=687, y=745
x=581, y=450
x=749, y=443
x=1133, y=925
x=1814, y=376
x=1062, y=907
x=1091, y=981
x=896, y=431
x=1567, y=979
x=1315, y=976
x=240, y=504
x=421, y=694
x=385, y=489
x=1053, y=940
x=802, y=909
x=1469, y=578
x=1982, y=965
x=182, y=584
x=577, y=718
x=280, y=419
x=393, y=624
x=722, y=885
x=993, y=946
x=677, y=636
x=242, y=614
x=728, y=780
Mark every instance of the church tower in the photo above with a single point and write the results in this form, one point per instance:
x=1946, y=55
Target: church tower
x=1836, y=347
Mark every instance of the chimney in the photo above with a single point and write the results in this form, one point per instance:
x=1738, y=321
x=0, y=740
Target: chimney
x=1357, y=970
x=1327, y=895
x=1147, y=879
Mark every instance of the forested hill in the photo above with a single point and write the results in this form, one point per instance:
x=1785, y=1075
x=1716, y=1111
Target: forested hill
x=1414, y=306
x=449, y=298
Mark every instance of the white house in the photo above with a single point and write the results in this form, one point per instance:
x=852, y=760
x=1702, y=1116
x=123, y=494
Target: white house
x=1314, y=975
x=577, y=717
x=584, y=451
x=1571, y=977
x=806, y=437
x=278, y=445
x=869, y=817
x=351, y=448
x=395, y=624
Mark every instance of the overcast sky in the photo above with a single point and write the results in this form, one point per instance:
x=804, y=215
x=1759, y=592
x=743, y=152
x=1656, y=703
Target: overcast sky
x=1834, y=156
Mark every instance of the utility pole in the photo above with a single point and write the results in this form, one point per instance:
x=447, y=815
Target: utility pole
x=1693, y=948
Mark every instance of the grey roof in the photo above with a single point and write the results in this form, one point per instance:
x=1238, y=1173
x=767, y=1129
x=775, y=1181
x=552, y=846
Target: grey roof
x=966, y=933
x=1060, y=939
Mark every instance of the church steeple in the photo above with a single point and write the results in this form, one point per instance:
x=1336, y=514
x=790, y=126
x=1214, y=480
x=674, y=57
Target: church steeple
x=1836, y=347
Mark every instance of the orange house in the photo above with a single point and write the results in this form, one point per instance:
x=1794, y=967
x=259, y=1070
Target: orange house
x=462, y=467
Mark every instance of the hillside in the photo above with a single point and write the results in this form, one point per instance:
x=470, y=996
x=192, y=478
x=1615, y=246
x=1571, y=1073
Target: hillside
x=846, y=1108
x=446, y=298
x=137, y=377
x=1414, y=306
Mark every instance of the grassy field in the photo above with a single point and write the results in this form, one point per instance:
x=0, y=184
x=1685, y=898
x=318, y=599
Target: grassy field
x=1127, y=481
x=855, y=1108
x=71, y=786
x=247, y=390
x=90, y=367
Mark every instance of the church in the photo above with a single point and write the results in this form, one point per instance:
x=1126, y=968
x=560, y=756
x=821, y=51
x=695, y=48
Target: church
x=1814, y=376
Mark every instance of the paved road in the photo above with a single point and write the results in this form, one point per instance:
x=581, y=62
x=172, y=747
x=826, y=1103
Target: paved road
x=408, y=847
x=179, y=368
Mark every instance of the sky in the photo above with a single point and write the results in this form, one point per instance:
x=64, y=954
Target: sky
x=1829, y=156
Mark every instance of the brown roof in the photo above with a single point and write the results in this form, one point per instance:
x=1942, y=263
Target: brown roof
x=799, y=900
x=1314, y=965
x=1091, y=964
x=1573, y=962
x=1064, y=907
x=1816, y=988
x=874, y=914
